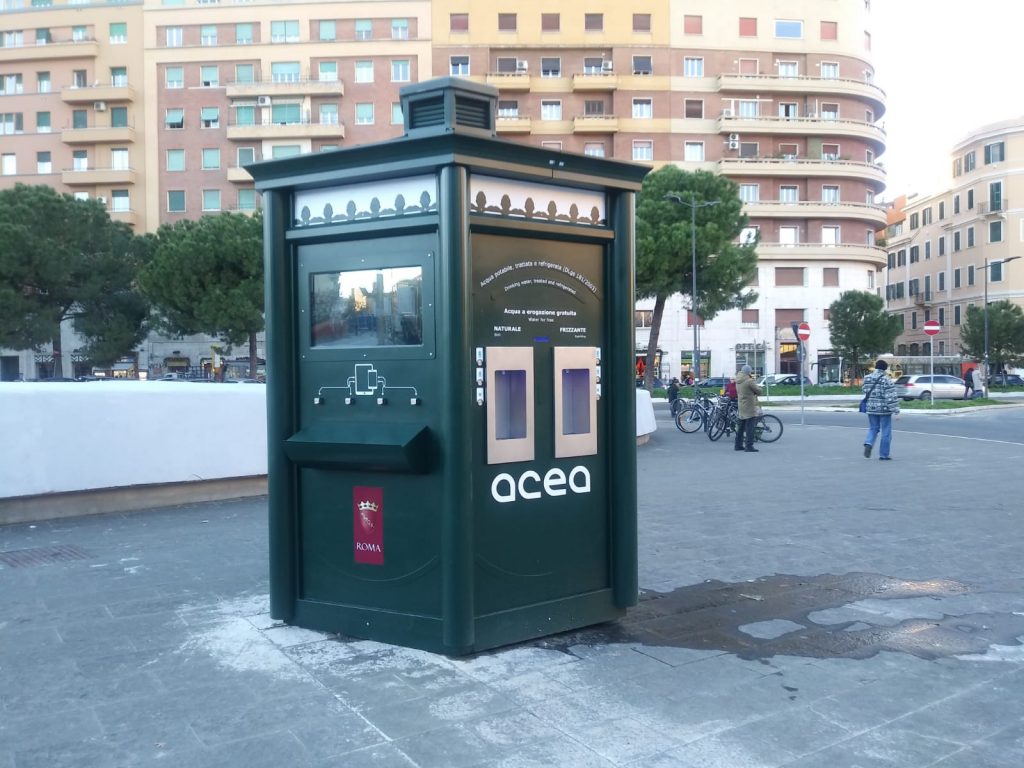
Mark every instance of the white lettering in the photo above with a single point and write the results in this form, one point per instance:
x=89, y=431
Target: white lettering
x=504, y=486
x=509, y=483
x=584, y=487
x=528, y=475
x=362, y=546
x=554, y=482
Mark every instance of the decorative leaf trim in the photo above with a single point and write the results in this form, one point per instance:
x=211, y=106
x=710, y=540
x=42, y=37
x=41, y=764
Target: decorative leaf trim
x=352, y=211
x=531, y=211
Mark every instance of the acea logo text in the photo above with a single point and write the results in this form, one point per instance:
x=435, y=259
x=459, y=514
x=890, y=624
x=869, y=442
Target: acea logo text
x=530, y=485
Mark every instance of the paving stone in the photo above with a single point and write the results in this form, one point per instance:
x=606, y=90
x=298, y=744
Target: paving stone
x=769, y=630
x=428, y=713
x=160, y=649
x=380, y=756
x=885, y=747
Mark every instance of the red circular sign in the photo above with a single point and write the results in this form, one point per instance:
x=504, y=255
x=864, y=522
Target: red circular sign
x=932, y=327
x=803, y=331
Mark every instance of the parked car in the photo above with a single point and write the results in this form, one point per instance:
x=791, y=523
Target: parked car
x=1005, y=380
x=783, y=380
x=656, y=383
x=715, y=383
x=173, y=377
x=923, y=387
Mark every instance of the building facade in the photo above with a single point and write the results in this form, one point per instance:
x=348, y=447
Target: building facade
x=155, y=107
x=945, y=250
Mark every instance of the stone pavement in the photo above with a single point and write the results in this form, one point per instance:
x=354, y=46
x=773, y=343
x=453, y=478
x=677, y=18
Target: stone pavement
x=801, y=607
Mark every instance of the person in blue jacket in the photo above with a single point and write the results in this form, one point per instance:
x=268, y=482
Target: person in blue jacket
x=882, y=404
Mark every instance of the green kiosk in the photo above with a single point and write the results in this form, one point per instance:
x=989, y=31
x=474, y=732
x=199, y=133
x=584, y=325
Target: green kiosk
x=450, y=392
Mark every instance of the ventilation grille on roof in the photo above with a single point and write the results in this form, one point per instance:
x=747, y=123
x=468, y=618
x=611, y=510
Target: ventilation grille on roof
x=472, y=113
x=427, y=112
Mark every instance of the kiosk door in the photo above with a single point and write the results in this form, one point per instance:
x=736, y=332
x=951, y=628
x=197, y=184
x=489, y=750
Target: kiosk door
x=369, y=416
x=541, y=478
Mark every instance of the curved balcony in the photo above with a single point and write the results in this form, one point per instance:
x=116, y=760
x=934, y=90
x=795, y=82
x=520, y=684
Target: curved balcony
x=867, y=254
x=595, y=124
x=97, y=135
x=509, y=81
x=806, y=126
x=802, y=167
x=290, y=88
x=90, y=177
x=92, y=93
x=68, y=49
x=239, y=175
x=599, y=81
x=870, y=93
x=129, y=217
x=777, y=209
x=296, y=130
x=512, y=124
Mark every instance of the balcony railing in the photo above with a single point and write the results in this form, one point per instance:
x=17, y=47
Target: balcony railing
x=730, y=122
x=993, y=208
x=801, y=166
x=763, y=83
x=291, y=86
x=922, y=298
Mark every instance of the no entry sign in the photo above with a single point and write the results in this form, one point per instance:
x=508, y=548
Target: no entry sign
x=803, y=331
x=932, y=327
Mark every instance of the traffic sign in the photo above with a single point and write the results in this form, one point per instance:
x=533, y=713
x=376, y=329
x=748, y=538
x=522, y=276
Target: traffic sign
x=803, y=331
x=931, y=327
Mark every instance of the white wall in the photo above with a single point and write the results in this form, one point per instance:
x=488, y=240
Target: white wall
x=106, y=434
x=80, y=436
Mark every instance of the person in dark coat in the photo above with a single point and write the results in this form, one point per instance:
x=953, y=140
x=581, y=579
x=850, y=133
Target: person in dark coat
x=673, y=395
x=968, y=384
x=747, y=391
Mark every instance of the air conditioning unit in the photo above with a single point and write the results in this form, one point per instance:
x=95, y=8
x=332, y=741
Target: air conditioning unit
x=99, y=106
x=727, y=113
x=522, y=65
x=607, y=66
x=263, y=101
x=733, y=144
x=734, y=137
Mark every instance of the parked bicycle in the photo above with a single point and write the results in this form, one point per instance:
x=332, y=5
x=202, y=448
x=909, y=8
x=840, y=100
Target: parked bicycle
x=695, y=414
x=767, y=428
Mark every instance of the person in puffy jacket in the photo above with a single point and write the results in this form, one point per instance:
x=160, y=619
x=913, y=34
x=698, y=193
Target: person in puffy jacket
x=746, y=412
x=882, y=404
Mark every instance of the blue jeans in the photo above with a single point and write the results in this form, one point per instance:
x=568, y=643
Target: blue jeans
x=880, y=422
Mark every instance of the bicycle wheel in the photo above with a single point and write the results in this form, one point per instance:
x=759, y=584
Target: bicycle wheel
x=768, y=429
x=689, y=419
x=677, y=406
x=717, y=427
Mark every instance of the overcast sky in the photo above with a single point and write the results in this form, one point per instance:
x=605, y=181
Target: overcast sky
x=947, y=67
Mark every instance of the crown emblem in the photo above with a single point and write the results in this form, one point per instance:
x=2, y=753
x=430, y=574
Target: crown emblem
x=368, y=506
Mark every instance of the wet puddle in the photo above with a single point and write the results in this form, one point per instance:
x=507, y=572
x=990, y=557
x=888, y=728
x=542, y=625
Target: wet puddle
x=848, y=616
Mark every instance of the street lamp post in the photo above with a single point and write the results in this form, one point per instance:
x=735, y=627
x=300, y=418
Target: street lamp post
x=693, y=205
x=984, y=381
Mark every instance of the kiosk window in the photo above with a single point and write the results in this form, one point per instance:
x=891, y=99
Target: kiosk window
x=576, y=396
x=367, y=308
x=510, y=405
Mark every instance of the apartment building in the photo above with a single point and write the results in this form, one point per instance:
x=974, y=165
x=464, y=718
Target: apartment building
x=236, y=83
x=71, y=101
x=779, y=97
x=946, y=249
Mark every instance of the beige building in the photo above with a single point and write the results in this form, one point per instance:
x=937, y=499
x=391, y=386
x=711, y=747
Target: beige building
x=948, y=245
x=779, y=98
x=155, y=107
